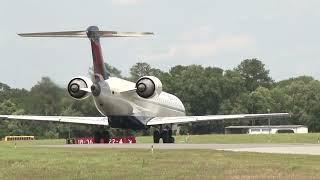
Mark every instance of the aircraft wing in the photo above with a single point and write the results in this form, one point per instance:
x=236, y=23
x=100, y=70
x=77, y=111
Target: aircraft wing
x=188, y=119
x=68, y=119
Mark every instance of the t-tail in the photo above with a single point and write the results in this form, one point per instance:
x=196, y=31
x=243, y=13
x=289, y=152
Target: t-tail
x=94, y=34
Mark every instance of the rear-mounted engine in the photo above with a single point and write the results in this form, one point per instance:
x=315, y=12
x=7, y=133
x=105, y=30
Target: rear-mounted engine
x=78, y=87
x=148, y=86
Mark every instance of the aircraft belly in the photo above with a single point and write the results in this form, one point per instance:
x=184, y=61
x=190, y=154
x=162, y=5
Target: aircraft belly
x=128, y=122
x=158, y=110
x=113, y=106
x=167, y=112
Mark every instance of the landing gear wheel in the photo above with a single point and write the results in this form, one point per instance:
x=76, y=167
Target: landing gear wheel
x=101, y=135
x=166, y=137
x=97, y=137
x=171, y=139
x=106, y=136
x=156, y=136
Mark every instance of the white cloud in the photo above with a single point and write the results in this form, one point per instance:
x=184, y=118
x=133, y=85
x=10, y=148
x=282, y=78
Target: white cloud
x=205, y=48
x=197, y=33
x=127, y=2
x=202, y=41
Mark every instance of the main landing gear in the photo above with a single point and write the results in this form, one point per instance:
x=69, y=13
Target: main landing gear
x=101, y=135
x=163, y=133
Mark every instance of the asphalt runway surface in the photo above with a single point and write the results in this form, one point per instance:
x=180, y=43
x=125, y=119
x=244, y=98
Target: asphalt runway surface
x=309, y=149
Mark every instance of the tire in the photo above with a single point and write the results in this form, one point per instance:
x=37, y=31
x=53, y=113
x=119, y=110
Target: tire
x=165, y=137
x=171, y=139
x=170, y=133
x=106, y=137
x=156, y=136
x=97, y=137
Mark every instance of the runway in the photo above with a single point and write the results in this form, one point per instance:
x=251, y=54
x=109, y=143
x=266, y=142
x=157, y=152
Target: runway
x=308, y=149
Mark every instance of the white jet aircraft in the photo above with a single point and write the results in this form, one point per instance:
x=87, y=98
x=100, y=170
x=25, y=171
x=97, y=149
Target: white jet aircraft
x=125, y=104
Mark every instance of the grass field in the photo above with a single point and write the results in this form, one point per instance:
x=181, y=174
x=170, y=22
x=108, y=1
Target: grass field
x=26, y=161
x=242, y=138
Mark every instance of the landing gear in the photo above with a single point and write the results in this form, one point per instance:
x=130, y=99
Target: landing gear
x=101, y=135
x=156, y=136
x=164, y=134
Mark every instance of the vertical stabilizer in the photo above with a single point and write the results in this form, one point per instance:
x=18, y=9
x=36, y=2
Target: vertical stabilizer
x=98, y=63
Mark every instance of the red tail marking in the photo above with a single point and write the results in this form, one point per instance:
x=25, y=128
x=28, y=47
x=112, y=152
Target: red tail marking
x=98, y=63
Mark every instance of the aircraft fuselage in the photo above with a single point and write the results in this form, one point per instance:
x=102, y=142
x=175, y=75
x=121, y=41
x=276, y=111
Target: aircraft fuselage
x=115, y=102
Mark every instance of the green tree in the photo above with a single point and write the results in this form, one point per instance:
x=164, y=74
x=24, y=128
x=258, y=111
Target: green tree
x=112, y=71
x=197, y=87
x=143, y=69
x=260, y=101
x=7, y=107
x=301, y=97
x=234, y=93
x=45, y=97
x=10, y=127
x=254, y=73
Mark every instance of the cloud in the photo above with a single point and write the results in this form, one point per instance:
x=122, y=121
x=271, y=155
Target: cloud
x=127, y=2
x=202, y=41
x=205, y=48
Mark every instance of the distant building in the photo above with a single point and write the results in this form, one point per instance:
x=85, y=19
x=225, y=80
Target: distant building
x=266, y=129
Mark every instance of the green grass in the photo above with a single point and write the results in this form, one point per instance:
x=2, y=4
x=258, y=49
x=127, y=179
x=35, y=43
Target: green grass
x=29, y=162
x=242, y=138
x=23, y=160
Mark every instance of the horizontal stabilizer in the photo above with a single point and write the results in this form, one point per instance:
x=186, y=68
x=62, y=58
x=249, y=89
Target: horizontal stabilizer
x=84, y=34
x=56, y=34
x=123, y=34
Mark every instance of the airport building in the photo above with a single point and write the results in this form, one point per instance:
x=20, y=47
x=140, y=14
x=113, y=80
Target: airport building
x=266, y=129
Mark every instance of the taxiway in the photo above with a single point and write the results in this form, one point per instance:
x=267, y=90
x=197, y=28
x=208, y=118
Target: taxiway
x=309, y=149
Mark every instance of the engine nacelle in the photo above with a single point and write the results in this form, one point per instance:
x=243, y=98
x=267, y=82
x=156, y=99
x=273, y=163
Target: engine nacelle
x=148, y=86
x=75, y=86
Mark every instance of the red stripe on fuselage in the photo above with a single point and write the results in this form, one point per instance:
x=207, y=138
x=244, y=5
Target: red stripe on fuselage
x=98, y=63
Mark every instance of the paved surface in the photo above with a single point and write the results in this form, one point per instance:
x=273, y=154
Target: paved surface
x=310, y=149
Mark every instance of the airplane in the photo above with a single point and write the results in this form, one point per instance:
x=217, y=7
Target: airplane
x=124, y=104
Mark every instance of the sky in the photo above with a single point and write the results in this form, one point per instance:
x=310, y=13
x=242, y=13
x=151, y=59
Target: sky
x=284, y=35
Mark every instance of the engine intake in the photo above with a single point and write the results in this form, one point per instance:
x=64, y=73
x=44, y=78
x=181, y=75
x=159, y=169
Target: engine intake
x=148, y=86
x=75, y=86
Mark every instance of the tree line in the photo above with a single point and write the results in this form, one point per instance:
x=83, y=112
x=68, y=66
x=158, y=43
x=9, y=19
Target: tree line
x=248, y=88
